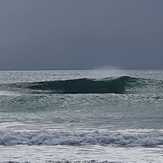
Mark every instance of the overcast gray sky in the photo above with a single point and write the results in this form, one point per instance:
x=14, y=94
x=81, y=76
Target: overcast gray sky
x=66, y=34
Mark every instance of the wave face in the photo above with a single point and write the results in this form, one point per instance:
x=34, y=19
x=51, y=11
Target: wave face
x=83, y=85
x=120, y=85
x=145, y=139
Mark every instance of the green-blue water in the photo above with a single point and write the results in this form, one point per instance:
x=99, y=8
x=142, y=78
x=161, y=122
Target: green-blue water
x=114, y=115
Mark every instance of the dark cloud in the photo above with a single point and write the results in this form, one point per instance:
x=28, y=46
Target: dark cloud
x=43, y=34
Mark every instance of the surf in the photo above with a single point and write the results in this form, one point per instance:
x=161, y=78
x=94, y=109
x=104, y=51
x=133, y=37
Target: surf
x=82, y=85
x=133, y=138
x=119, y=85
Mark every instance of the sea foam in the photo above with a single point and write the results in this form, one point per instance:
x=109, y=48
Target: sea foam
x=147, y=139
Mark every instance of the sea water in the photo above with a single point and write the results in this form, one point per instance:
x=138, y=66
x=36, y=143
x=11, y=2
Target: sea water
x=81, y=115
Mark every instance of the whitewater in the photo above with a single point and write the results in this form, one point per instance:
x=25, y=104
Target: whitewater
x=105, y=115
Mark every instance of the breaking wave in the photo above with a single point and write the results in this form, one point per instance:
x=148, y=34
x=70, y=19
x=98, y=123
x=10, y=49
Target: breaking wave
x=145, y=139
x=120, y=85
x=83, y=85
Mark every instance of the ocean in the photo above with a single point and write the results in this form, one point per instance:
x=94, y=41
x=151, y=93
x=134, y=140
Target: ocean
x=103, y=115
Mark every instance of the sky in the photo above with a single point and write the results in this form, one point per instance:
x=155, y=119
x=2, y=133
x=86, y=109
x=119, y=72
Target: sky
x=81, y=34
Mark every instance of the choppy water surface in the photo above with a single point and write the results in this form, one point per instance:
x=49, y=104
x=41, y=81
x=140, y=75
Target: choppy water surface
x=75, y=115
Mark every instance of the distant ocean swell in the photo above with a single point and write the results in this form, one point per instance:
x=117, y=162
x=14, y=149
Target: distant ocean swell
x=145, y=139
x=120, y=85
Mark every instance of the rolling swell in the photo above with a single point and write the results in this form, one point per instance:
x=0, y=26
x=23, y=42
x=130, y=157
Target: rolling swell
x=83, y=85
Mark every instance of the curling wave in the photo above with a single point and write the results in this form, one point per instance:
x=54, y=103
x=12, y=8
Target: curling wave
x=120, y=85
x=83, y=85
x=146, y=139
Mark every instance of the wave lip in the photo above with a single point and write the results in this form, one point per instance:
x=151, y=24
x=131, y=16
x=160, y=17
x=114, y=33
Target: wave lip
x=146, y=139
x=83, y=85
